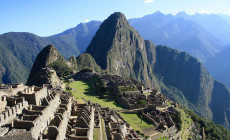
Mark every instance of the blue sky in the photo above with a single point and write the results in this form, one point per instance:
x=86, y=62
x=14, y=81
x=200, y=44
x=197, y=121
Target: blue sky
x=48, y=17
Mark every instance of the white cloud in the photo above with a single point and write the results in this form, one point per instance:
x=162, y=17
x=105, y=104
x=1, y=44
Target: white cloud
x=204, y=12
x=149, y=1
x=86, y=20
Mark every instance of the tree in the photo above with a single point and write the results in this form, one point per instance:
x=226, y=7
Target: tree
x=141, y=103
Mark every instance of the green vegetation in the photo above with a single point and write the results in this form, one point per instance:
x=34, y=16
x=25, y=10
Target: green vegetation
x=212, y=131
x=103, y=130
x=85, y=61
x=48, y=57
x=136, y=122
x=96, y=134
x=11, y=70
x=80, y=87
x=22, y=49
x=146, y=93
x=163, y=138
x=61, y=68
x=141, y=103
x=186, y=122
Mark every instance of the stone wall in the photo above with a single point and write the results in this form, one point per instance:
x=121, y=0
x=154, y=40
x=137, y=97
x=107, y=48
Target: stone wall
x=34, y=95
x=13, y=89
x=9, y=115
x=147, y=117
x=91, y=125
x=3, y=103
x=63, y=125
x=47, y=115
x=125, y=103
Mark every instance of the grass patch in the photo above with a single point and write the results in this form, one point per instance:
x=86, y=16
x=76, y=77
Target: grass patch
x=103, y=130
x=96, y=134
x=135, y=121
x=81, y=86
x=146, y=93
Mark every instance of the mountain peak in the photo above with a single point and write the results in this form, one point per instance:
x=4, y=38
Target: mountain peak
x=158, y=13
x=114, y=32
x=116, y=19
x=118, y=48
x=48, y=55
x=116, y=15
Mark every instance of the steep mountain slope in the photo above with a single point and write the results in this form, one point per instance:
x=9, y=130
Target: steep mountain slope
x=219, y=66
x=10, y=68
x=47, y=56
x=220, y=104
x=119, y=49
x=24, y=47
x=184, y=77
x=178, y=33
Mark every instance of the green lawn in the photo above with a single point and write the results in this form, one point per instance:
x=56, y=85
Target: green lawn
x=96, y=134
x=146, y=93
x=135, y=121
x=103, y=129
x=163, y=138
x=81, y=86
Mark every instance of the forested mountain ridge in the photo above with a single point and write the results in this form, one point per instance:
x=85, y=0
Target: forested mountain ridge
x=23, y=48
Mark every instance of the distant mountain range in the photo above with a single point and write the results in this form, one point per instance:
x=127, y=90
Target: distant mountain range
x=201, y=35
x=180, y=33
x=217, y=25
x=20, y=49
x=117, y=48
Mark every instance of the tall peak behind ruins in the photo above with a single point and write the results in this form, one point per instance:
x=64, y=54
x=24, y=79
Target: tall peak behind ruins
x=47, y=56
x=118, y=48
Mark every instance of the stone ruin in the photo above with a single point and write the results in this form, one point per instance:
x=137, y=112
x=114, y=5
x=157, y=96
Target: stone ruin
x=50, y=113
x=35, y=113
x=129, y=99
x=157, y=111
x=116, y=127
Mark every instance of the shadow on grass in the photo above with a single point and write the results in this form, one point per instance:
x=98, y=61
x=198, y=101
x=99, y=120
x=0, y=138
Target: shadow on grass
x=119, y=105
x=145, y=120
